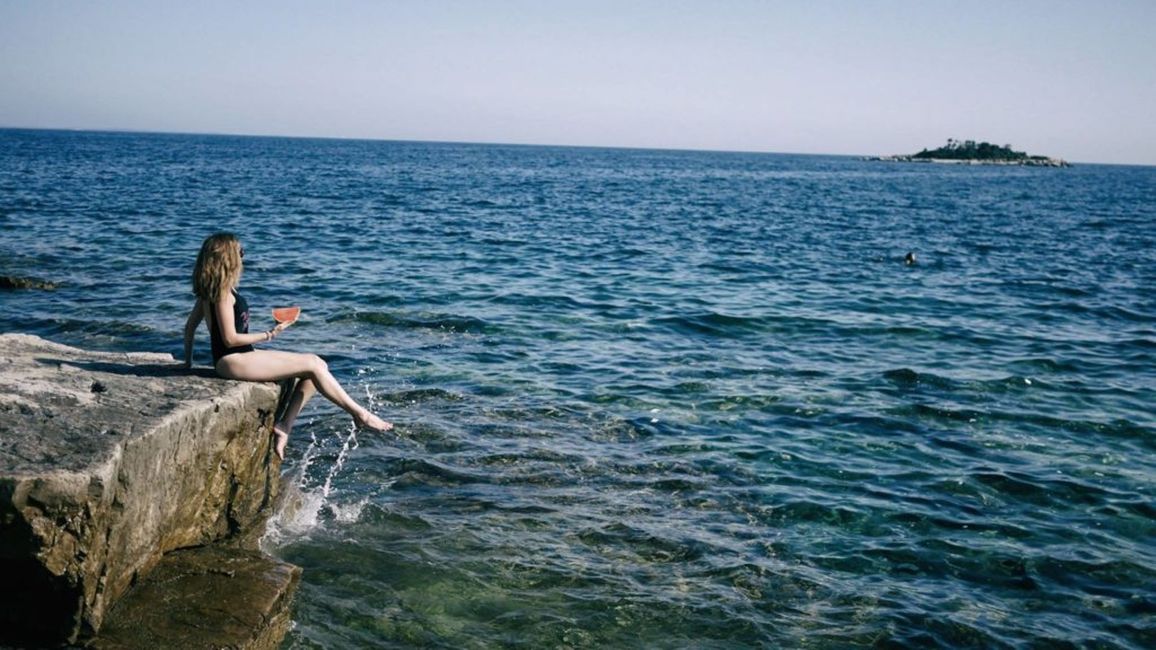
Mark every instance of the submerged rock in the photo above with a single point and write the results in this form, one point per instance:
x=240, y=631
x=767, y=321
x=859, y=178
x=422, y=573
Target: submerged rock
x=107, y=462
x=243, y=595
x=16, y=282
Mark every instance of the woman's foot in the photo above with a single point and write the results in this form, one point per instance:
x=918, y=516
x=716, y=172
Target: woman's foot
x=367, y=420
x=280, y=439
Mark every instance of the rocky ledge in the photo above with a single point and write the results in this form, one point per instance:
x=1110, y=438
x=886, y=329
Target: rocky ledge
x=108, y=462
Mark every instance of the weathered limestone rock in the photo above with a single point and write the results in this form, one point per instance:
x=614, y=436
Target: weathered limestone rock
x=107, y=462
x=209, y=597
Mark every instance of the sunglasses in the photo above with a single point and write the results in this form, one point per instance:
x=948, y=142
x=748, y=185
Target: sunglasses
x=242, y=253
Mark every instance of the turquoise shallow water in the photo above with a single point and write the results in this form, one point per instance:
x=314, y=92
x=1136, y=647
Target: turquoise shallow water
x=652, y=398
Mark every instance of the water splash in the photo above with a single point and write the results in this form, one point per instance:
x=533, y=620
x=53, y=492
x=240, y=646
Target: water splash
x=347, y=446
x=303, y=506
x=306, y=503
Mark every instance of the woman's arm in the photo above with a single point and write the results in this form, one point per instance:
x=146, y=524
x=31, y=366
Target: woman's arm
x=191, y=323
x=223, y=310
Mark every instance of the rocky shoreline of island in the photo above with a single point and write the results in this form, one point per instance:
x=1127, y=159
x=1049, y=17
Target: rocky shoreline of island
x=969, y=152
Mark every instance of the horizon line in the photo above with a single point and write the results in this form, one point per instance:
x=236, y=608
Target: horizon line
x=127, y=131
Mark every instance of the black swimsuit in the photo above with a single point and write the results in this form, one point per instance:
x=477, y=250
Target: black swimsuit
x=240, y=322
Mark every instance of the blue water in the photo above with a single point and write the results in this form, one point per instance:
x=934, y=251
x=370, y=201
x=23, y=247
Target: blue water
x=653, y=398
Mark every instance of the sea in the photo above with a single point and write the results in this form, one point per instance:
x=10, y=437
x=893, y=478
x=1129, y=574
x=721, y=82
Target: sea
x=650, y=398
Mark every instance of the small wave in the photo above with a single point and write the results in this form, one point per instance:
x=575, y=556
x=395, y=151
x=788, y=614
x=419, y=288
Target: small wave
x=928, y=411
x=113, y=328
x=559, y=302
x=908, y=378
x=689, y=388
x=713, y=324
x=416, y=473
x=1011, y=384
x=1043, y=490
x=420, y=395
x=1139, y=508
x=1116, y=312
x=740, y=402
x=648, y=546
x=443, y=322
x=1044, y=365
x=956, y=442
x=1093, y=573
x=678, y=485
x=803, y=510
x=377, y=515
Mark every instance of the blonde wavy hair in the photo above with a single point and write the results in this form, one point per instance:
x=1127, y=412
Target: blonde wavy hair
x=218, y=268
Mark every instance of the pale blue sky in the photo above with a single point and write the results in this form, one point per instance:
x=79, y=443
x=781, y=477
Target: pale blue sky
x=1070, y=79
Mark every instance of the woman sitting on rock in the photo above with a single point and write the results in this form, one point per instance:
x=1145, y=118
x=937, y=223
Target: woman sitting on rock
x=215, y=279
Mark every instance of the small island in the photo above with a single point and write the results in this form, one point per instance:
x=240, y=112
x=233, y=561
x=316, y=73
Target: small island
x=968, y=152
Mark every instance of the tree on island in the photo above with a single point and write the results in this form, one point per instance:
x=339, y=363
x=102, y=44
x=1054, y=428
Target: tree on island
x=970, y=150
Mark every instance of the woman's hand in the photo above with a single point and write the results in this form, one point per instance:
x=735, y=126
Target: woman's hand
x=273, y=333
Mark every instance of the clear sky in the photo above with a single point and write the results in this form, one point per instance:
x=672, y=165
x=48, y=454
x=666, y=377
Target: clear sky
x=1069, y=79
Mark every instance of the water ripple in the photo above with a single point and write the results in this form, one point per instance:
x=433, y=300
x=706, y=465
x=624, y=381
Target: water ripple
x=651, y=398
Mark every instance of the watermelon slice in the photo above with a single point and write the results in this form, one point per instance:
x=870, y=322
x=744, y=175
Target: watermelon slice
x=286, y=314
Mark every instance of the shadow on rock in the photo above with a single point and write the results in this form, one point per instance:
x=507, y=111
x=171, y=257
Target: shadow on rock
x=136, y=369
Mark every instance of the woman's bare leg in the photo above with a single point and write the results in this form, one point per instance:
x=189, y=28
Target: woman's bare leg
x=275, y=365
x=304, y=389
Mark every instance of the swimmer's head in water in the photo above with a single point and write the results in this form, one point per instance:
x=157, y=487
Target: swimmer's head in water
x=910, y=259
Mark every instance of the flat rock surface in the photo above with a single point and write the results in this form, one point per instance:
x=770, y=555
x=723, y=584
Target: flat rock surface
x=209, y=597
x=66, y=409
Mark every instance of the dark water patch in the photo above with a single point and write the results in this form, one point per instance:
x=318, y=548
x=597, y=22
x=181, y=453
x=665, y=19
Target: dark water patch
x=555, y=302
x=959, y=442
x=677, y=485
x=1041, y=490
x=1013, y=383
x=1120, y=428
x=691, y=388
x=1144, y=509
x=420, y=395
x=649, y=547
x=928, y=519
x=1147, y=342
x=1094, y=575
x=937, y=413
x=917, y=629
x=413, y=473
x=429, y=435
x=512, y=431
x=867, y=427
x=739, y=403
x=907, y=378
x=440, y=322
x=843, y=517
x=523, y=414
x=129, y=332
x=376, y=516
x=712, y=324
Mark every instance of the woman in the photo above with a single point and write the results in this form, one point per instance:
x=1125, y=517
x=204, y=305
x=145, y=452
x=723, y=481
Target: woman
x=215, y=279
